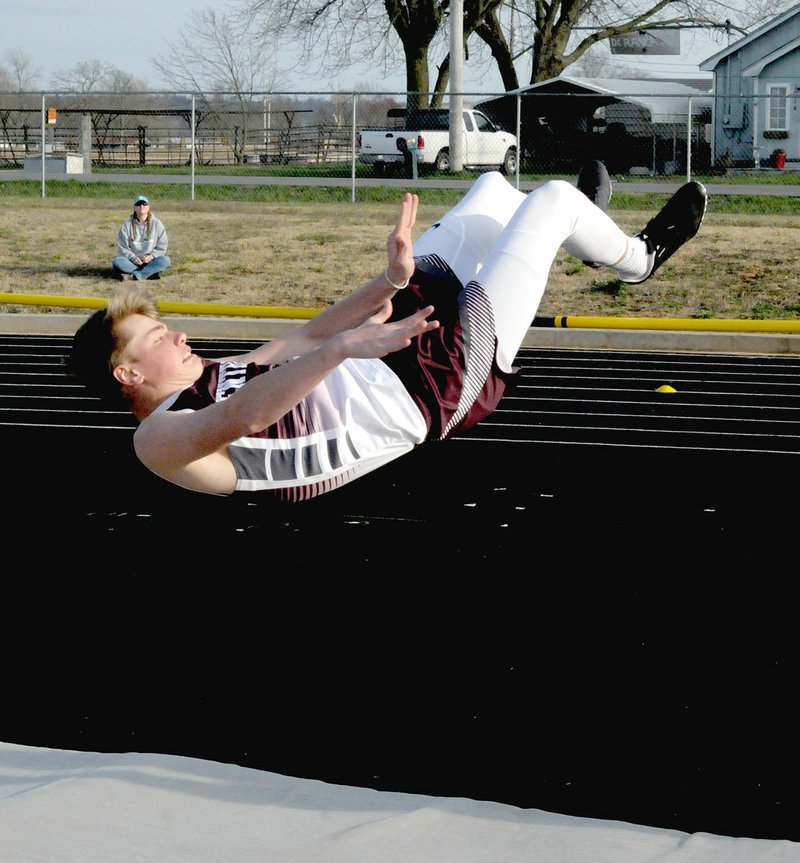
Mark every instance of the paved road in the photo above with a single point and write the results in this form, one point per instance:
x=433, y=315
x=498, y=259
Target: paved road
x=728, y=188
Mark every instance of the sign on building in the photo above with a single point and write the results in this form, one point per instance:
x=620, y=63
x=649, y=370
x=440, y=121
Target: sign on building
x=661, y=40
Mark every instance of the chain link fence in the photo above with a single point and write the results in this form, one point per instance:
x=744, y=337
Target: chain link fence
x=252, y=189
x=262, y=137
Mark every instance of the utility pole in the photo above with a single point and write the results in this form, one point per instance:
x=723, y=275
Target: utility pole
x=456, y=85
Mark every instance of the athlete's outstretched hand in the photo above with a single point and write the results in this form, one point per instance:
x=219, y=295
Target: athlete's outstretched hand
x=399, y=246
x=375, y=338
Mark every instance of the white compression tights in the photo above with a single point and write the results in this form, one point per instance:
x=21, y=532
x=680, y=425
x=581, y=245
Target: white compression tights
x=507, y=241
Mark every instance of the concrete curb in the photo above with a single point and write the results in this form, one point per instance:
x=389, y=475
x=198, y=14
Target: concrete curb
x=537, y=337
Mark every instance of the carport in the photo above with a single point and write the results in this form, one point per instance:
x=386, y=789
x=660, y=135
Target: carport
x=628, y=123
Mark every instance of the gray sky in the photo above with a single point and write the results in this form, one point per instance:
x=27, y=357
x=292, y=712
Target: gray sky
x=58, y=34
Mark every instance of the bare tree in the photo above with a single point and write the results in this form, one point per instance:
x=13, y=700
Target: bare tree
x=17, y=75
x=20, y=72
x=102, y=91
x=336, y=33
x=596, y=64
x=84, y=77
x=116, y=111
x=218, y=57
x=561, y=33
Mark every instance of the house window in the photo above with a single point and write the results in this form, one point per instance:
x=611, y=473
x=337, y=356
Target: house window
x=778, y=106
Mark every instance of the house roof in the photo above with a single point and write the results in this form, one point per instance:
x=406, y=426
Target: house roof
x=714, y=59
x=755, y=69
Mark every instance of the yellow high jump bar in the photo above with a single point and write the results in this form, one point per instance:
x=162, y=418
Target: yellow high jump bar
x=720, y=325
x=220, y=309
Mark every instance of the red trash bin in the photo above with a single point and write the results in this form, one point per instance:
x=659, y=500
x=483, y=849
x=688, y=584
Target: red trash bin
x=778, y=159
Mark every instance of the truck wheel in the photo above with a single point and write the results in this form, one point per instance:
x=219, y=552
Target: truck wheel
x=380, y=169
x=509, y=165
x=443, y=161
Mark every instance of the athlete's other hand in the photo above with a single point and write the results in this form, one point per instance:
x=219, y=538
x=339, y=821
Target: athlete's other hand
x=376, y=338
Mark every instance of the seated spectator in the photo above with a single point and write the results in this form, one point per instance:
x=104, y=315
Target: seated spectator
x=141, y=244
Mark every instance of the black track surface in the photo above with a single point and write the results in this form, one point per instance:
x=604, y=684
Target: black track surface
x=587, y=604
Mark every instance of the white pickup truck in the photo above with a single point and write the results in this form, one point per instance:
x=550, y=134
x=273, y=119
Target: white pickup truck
x=424, y=135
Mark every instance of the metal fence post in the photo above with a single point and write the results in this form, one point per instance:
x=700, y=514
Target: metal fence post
x=689, y=141
x=353, y=142
x=519, y=134
x=192, y=136
x=44, y=113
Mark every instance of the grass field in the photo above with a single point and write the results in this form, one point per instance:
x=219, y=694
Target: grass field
x=285, y=246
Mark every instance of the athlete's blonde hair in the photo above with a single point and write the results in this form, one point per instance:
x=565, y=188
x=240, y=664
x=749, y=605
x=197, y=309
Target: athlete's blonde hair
x=97, y=347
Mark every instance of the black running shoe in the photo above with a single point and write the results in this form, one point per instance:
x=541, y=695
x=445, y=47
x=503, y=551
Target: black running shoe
x=679, y=220
x=595, y=183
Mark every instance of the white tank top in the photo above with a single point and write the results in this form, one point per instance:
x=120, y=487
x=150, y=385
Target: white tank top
x=356, y=420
